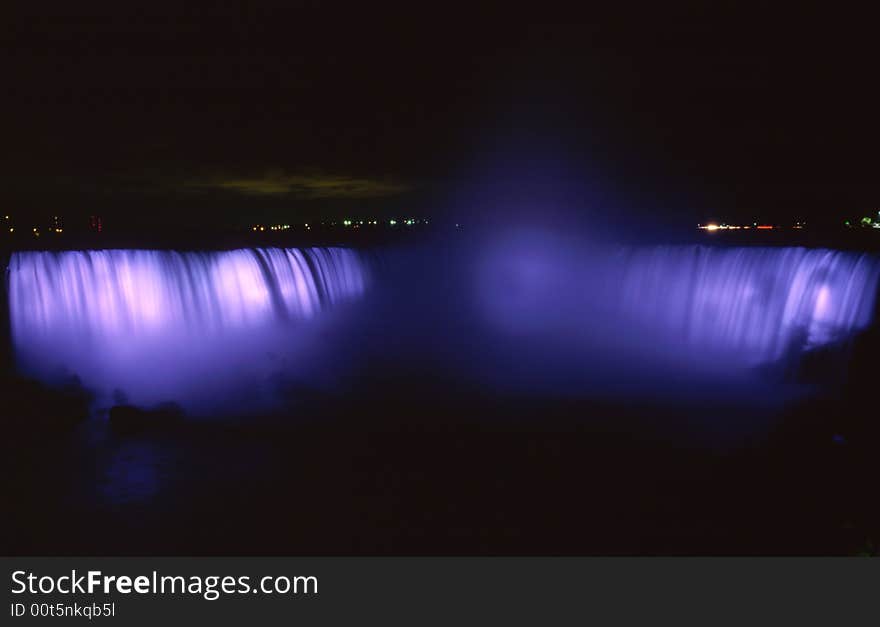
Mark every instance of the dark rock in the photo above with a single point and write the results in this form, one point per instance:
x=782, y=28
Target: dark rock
x=31, y=407
x=128, y=419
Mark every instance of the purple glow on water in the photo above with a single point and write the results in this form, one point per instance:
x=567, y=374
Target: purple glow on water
x=214, y=331
x=650, y=310
x=751, y=303
x=160, y=325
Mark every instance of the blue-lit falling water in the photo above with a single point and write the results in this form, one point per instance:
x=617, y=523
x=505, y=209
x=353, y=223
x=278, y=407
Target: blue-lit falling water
x=645, y=313
x=161, y=325
x=758, y=304
x=212, y=329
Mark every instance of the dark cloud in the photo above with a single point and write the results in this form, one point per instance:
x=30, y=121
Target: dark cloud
x=306, y=186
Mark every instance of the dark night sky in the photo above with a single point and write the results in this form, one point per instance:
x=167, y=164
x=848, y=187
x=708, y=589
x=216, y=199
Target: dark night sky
x=255, y=113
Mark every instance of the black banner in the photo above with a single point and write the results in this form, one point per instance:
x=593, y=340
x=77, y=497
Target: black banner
x=408, y=591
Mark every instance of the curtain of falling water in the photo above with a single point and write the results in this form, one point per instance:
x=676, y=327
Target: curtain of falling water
x=755, y=303
x=698, y=307
x=143, y=320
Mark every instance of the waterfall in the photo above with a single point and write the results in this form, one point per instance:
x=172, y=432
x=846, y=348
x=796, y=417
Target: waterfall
x=648, y=311
x=754, y=304
x=145, y=322
x=161, y=325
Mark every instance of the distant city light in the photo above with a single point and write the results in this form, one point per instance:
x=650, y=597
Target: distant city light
x=348, y=222
x=736, y=227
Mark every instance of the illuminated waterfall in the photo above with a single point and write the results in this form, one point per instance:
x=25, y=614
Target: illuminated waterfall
x=174, y=326
x=755, y=304
x=653, y=309
x=150, y=323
